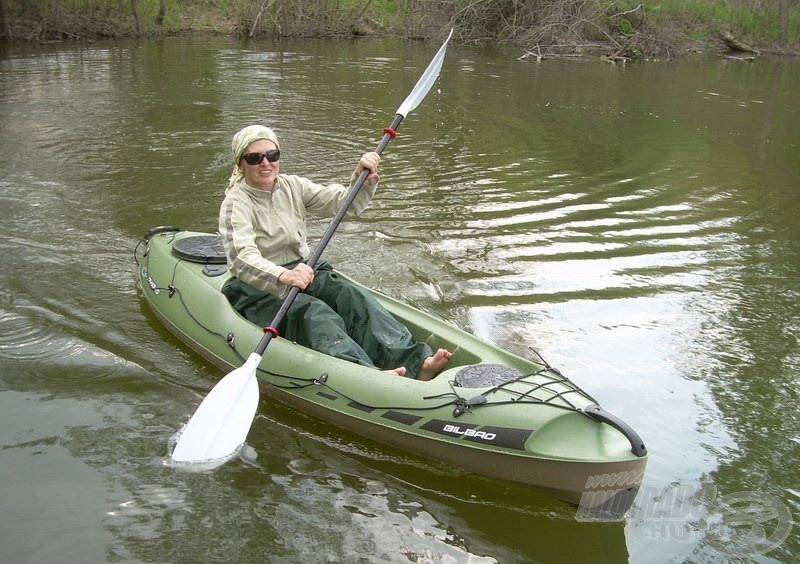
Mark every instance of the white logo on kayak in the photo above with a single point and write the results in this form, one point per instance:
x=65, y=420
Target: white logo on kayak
x=150, y=281
x=456, y=430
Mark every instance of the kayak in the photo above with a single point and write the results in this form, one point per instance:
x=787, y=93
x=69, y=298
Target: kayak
x=490, y=412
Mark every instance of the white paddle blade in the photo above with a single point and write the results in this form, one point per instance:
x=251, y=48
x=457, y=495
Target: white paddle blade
x=221, y=423
x=425, y=82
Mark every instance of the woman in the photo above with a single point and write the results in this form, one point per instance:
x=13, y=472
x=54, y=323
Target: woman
x=262, y=222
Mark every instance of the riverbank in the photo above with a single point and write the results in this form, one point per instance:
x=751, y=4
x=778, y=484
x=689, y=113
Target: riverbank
x=613, y=29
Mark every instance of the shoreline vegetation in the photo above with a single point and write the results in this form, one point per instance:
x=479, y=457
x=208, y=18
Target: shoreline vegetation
x=614, y=30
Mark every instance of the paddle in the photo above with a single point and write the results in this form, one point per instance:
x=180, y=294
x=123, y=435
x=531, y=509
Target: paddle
x=222, y=420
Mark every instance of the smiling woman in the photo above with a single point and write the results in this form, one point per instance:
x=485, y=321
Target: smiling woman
x=258, y=174
x=263, y=227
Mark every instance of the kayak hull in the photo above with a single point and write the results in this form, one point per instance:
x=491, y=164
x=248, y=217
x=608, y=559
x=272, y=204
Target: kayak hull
x=489, y=412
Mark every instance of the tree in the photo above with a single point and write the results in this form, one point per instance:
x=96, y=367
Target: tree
x=6, y=20
x=137, y=21
x=784, y=21
x=162, y=13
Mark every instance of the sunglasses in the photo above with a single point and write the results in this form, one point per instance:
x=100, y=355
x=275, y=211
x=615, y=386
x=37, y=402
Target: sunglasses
x=255, y=158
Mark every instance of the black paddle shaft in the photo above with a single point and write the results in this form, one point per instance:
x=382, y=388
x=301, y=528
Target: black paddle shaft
x=272, y=330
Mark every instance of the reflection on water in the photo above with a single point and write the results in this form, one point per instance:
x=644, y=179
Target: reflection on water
x=635, y=226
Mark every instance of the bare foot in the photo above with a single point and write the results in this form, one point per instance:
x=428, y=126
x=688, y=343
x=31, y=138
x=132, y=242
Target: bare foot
x=432, y=365
x=399, y=371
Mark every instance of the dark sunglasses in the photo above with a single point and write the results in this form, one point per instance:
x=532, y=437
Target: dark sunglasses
x=255, y=158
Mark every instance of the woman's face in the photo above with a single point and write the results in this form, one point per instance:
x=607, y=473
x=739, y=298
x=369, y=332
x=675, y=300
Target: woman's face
x=264, y=174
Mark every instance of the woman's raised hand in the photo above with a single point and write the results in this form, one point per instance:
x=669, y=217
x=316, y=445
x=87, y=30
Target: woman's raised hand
x=369, y=161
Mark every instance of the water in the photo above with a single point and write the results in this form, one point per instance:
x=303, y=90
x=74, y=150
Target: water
x=637, y=226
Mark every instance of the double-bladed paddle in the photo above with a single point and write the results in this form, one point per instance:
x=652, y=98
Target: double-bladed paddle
x=221, y=422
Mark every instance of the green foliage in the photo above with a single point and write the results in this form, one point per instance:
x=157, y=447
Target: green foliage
x=625, y=26
x=527, y=22
x=756, y=21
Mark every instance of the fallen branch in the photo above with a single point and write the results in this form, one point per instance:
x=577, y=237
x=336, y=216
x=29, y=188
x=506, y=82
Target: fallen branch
x=747, y=58
x=538, y=55
x=735, y=45
x=631, y=11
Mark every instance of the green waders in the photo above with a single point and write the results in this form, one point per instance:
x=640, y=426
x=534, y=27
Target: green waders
x=335, y=317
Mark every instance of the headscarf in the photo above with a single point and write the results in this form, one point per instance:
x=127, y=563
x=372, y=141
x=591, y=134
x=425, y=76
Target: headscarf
x=241, y=141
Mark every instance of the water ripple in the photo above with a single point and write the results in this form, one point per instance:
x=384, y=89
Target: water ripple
x=36, y=352
x=563, y=240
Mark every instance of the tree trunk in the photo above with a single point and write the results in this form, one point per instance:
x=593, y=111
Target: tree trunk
x=784, y=15
x=6, y=21
x=162, y=13
x=258, y=16
x=136, y=20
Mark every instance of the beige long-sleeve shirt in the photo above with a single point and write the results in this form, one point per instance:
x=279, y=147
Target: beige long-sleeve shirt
x=262, y=230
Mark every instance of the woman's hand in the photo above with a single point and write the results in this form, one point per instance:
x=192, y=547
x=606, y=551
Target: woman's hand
x=301, y=276
x=369, y=161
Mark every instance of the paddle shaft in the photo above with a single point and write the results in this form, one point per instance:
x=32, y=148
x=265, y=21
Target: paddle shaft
x=313, y=259
x=222, y=420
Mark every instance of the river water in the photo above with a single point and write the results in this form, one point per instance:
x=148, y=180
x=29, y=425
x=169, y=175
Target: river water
x=636, y=226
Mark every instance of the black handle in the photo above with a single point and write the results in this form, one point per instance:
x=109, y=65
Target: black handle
x=598, y=413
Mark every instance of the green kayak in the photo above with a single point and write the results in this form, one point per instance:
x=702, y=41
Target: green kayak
x=490, y=412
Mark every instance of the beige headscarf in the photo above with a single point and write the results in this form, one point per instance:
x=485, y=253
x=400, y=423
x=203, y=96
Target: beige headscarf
x=240, y=142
